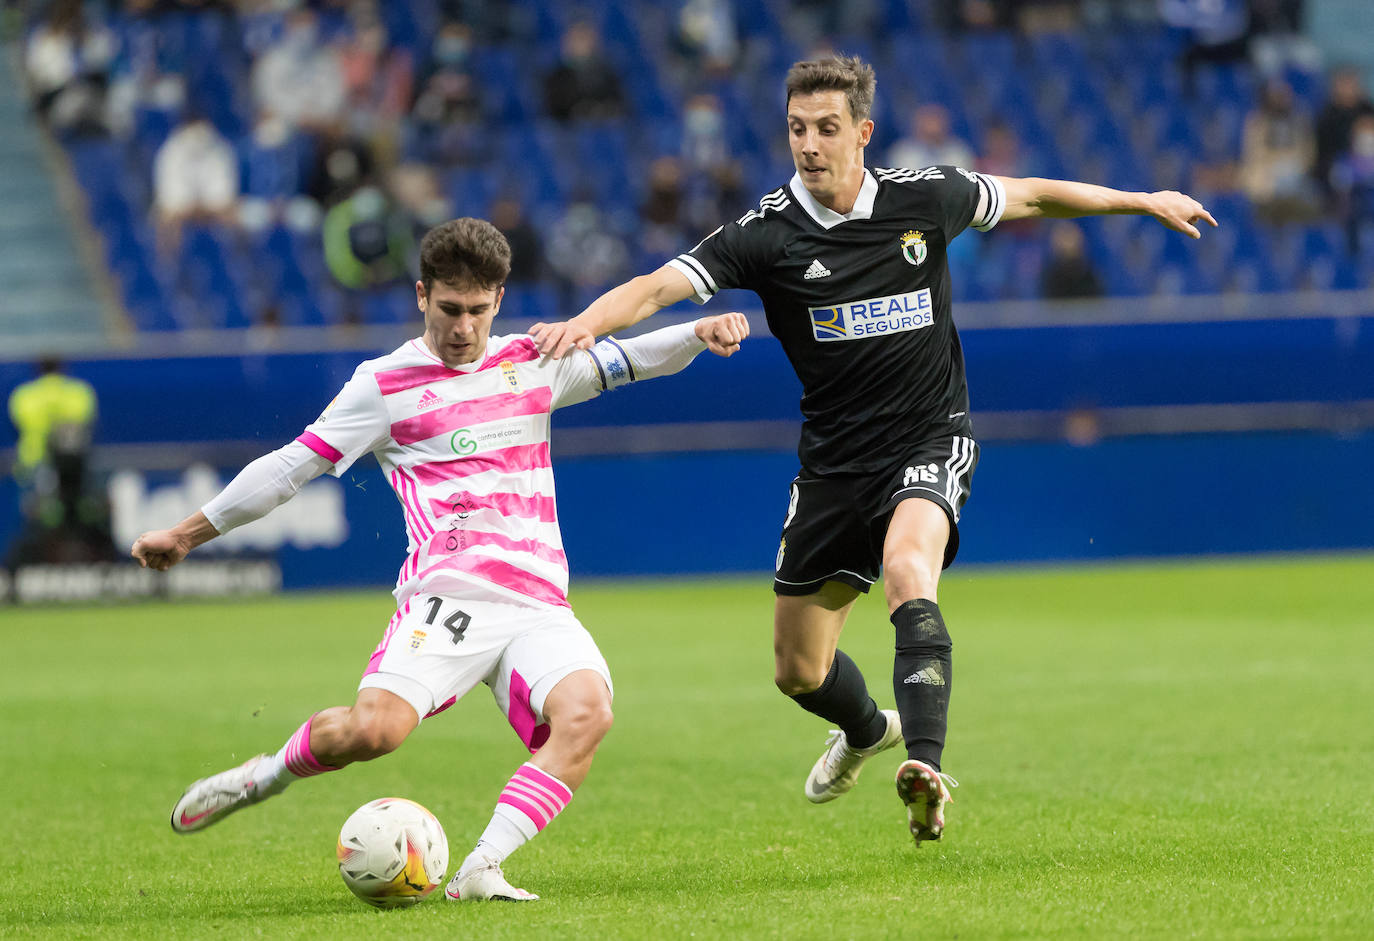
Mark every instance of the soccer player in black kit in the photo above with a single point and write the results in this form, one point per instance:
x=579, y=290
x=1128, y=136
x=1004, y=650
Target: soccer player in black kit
x=850, y=266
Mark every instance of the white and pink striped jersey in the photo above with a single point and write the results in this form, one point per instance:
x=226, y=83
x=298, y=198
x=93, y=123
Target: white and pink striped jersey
x=467, y=451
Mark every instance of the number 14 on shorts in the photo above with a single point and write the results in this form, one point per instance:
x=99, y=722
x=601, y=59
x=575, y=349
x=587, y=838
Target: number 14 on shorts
x=456, y=623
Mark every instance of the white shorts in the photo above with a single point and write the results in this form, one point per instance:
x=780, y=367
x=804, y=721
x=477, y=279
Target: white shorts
x=436, y=648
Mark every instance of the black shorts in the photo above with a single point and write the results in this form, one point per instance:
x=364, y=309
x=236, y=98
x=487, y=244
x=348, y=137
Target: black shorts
x=835, y=526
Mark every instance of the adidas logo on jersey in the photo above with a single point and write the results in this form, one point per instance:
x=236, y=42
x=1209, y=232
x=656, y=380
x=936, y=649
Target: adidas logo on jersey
x=428, y=400
x=817, y=270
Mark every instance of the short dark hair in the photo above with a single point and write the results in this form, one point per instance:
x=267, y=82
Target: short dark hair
x=464, y=252
x=848, y=74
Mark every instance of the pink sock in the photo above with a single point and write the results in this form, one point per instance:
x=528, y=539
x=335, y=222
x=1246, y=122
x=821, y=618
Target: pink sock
x=528, y=804
x=296, y=754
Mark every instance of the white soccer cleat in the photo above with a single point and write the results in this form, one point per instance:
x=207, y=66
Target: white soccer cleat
x=836, y=771
x=485, y=881
x=212, y=799
x=925, y=792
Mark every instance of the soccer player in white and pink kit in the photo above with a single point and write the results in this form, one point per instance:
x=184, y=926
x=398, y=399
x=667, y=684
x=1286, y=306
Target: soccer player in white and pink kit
x=459, y=421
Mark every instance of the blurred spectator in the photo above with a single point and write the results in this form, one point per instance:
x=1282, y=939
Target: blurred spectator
x=585, y=252
x=526, y=248
x=1277, y=39
x=1346, y=101
x=377, y=78
x=451, y=50
x=415, y=187
x=661, y=229
x=67, y=62
x=446, y=119
x=1218, y=31
x=65, y=519
x=340, y=168
x=1047, y=16
x=195, y=178
x=703, y=133
x=583, y=86
x=930, y=142
x=706, y=38
x=301, y=79
x=974, y=15
x=712, y=198
x=367, y=240
x=1352, y=179
x=1212, y=169
x=1277, y=154
x=142, y=92
x=812, y=21
x=493, y=22
x=273, y=161
x=1001, y=153
x=1068, y=271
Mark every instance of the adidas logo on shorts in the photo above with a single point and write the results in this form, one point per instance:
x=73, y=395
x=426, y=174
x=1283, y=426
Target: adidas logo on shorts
x=817, y=270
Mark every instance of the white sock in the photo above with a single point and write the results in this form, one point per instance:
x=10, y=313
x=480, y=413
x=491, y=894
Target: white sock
x=501, y=838
x=270, y=775
x=528, y=803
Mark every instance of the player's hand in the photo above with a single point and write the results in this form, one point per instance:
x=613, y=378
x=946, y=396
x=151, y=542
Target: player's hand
x=556, y=339
x=723, y=333
x=1179, y=212
x=160, y=550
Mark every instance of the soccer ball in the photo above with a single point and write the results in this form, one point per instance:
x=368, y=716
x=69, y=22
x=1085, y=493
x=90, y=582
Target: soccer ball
x=392, y=852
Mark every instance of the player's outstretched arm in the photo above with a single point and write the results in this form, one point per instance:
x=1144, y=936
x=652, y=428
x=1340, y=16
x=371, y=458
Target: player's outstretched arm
x=1031, y=197
x=257, y=490
x=617, y=309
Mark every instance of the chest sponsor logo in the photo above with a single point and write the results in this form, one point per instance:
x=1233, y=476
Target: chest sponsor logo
x=505, y=433
x=913, y=245
x=877, y=316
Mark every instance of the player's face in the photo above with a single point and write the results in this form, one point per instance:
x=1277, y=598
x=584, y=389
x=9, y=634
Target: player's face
x=827, y=147
x=458, y=319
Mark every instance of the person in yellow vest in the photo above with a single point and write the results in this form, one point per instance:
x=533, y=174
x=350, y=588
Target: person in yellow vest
x=66, y=519
x=39, y=406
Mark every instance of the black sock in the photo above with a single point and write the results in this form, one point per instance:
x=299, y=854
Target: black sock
x=922, y=672
x=843, y=699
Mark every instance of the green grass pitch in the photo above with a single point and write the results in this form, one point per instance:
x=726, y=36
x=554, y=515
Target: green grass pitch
x=1181, y=750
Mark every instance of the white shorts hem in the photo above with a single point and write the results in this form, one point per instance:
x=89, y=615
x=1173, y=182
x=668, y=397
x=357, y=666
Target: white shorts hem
x=413, y=692
x=545, y=684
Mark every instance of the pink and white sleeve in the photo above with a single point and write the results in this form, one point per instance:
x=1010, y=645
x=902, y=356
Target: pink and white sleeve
x=351, y=425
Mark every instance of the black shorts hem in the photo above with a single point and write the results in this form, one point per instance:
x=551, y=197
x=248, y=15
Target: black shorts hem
x=815, y=584
x=937, y=498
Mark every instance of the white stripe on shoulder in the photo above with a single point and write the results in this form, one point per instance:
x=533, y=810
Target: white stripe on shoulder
x=992, y=201
x=696, y=276
x=904, y=175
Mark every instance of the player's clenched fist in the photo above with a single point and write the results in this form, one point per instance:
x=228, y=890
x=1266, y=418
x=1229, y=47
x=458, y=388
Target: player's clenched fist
x=723, y=334
x=159, y=550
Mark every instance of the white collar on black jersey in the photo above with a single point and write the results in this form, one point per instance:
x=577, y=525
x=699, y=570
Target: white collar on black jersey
x=829, y=218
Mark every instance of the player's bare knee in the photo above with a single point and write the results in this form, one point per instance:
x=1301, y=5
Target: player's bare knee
x=585, y=724
x=374, y=736
x=794, y=679
x=909, y=576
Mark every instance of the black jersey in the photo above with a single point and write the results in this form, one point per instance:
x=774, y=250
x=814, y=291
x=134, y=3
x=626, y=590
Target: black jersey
x=861, y=305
